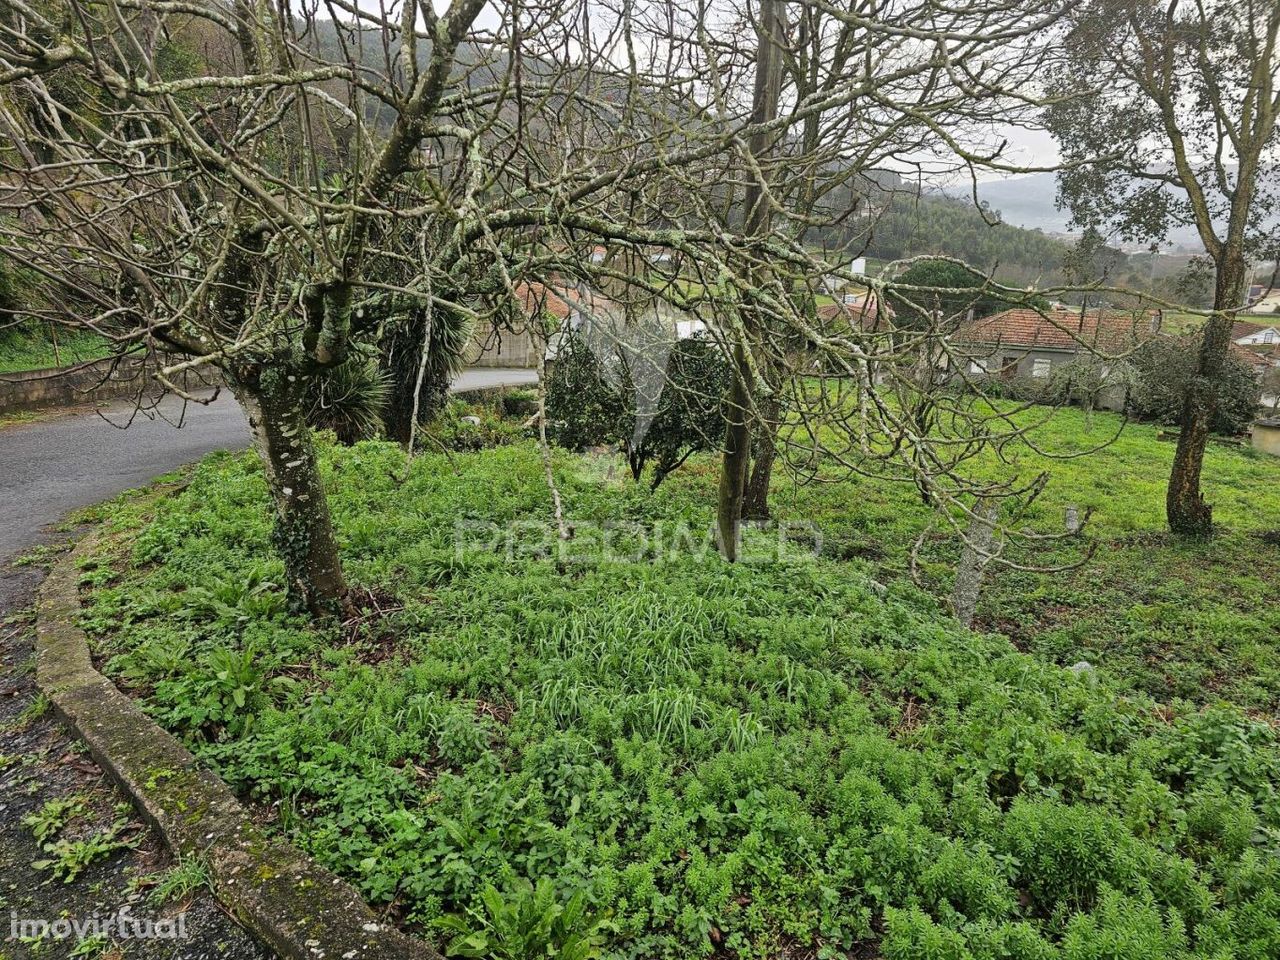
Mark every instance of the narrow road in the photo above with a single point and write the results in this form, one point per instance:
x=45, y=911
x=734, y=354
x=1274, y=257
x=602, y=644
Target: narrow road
x=51, y=467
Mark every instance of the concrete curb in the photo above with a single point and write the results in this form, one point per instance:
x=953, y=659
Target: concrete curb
x=297, y=907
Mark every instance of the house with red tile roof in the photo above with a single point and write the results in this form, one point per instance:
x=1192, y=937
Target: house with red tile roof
x=1261, y=357
x=500, y=345
x=863, y=310
x=1028, y=343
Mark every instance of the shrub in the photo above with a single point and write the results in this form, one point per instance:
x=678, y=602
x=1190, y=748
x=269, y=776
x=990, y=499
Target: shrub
x=447, y=334
x=961, y=289
x=1022, y=389
x=465, y=426
x=584, y=409
x=522, y=403
x=1166, y=364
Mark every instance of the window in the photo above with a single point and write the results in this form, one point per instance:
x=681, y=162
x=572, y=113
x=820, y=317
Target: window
x=977, y=367
x=1040, y=368
x=1269, y=336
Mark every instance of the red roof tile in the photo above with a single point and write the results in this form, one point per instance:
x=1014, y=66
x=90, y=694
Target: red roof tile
x=535, y=297
x=865, y=310
x=1062, y=329
x=1260, y=356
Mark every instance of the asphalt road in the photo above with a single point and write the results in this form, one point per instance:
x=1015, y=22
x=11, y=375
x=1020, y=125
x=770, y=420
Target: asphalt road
x=71, y=460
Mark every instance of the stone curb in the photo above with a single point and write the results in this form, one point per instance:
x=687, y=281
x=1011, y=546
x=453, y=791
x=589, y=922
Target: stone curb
x=296, y=906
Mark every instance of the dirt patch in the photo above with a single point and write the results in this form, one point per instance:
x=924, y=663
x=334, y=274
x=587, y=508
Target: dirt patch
x=44, y=770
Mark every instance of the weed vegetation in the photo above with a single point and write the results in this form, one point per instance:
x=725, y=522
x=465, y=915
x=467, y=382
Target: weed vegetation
x=25, y=348
x=636, y=751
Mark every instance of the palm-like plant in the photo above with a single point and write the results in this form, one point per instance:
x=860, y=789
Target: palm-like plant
x=349, y=399
x=444, y=336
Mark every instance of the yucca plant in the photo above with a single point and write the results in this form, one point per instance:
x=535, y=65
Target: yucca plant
x=445, y=336
x=348, y=399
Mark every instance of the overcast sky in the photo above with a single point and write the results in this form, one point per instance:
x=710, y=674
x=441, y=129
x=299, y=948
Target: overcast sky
x=1026, y=147
x=1034, y=148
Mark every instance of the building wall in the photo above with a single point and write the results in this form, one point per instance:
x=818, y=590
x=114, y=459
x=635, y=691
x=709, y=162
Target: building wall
x=1024, y=366
x=1267, y=304
x=502, y=348
x=1024, y=360
x=1266, y=439
x=1260, y=337
x=89, y=383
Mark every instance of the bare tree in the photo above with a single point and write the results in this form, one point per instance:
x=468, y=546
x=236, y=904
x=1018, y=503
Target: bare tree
x=920, y=75
x=305, y=174
x=311, y=174
x=1181, y=131
x=757, y=217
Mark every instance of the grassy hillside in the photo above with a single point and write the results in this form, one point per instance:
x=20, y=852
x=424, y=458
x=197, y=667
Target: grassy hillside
x=26, y=349
x=777, y=759
x=1173, y=619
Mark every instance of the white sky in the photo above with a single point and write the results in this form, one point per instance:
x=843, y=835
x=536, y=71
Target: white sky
x=1026, y=147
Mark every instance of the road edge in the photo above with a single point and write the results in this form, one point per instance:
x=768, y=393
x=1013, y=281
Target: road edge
x=300, y=909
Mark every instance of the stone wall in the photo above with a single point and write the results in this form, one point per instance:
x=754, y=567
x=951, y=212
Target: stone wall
x=502, y=348
x=82, y=383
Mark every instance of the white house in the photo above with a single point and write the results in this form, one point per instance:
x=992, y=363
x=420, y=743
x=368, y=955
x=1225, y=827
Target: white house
x=834, y=283
x=1245, y=334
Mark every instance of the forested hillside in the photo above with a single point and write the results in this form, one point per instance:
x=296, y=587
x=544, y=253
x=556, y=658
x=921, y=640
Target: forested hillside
x=911, y=226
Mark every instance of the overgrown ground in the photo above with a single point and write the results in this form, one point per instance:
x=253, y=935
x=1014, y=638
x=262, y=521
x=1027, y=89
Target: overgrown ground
x=1174, y=619
x=781, y=759
x=22, y=349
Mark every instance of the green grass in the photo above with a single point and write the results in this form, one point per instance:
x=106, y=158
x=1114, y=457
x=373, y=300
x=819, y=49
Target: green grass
x=1172, y=619
x=178, y=884
x=17, y=418
x=26, y=350
x=1177, y=322
x=777, y=759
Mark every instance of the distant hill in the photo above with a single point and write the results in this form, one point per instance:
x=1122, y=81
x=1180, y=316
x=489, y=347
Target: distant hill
x=1030, y=201
x=1026, y=201
x=913, y=225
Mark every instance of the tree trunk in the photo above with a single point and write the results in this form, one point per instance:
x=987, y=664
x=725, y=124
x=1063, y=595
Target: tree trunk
x=755, y=503
x=1185, y=507
x=736, y=461
x=980, y=541
x=737, y=456
x=303, y=533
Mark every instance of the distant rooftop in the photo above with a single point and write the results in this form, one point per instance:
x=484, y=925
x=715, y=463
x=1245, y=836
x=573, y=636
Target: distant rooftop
x=1064, y=329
